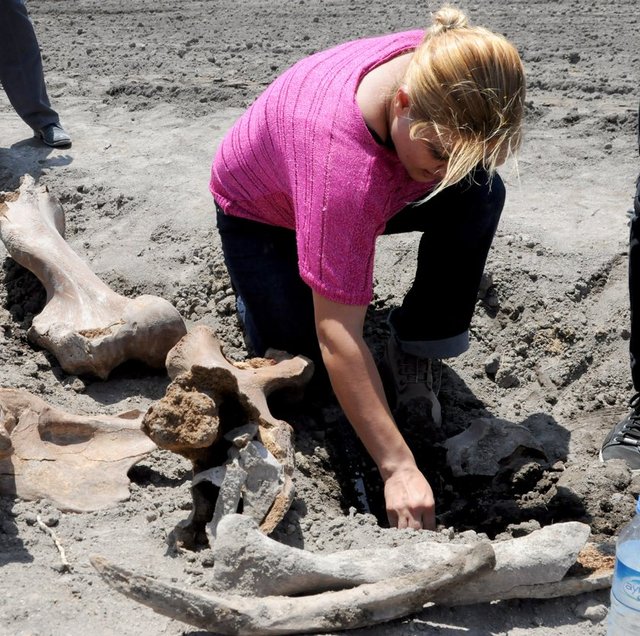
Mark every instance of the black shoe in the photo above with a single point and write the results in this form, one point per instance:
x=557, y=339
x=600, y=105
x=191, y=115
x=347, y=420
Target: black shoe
x=623, y=442
x=54, y=135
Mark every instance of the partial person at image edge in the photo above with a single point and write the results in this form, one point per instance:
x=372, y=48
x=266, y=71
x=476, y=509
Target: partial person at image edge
x=22, y=75
x=623, y=442
x=389, y=134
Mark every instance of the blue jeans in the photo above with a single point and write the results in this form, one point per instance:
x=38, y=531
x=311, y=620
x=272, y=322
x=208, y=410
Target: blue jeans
x=457, y=225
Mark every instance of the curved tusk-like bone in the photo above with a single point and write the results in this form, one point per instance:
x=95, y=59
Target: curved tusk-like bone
x=250, y=563
x=86, y=325
x=346, y=609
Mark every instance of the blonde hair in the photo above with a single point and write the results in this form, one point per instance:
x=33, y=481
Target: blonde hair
x=467, y=85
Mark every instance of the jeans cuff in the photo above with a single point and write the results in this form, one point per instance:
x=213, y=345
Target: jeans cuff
x=438, y=349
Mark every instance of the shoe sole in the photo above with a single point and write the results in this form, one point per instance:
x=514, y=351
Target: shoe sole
x=604, y=461
x=56, y=144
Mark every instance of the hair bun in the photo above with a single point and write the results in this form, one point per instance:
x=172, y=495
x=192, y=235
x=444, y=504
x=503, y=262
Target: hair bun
x=448, y=18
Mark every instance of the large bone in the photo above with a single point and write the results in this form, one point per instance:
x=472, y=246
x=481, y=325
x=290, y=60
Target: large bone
x=345, y=609
x=79, y=463
x=188, y=419
x=86, y=325
x=249, y=563
x=251, y=570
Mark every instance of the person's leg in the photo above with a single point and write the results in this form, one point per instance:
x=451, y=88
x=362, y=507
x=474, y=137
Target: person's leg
x=458, y=227
x=623, y=441
x=21, y=73
x=276, y=306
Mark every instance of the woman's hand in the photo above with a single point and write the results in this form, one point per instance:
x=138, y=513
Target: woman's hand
x=409, y=500
x=357, y=385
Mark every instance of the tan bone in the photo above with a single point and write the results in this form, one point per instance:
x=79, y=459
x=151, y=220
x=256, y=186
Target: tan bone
x=79, y=463
x=86, y=325
x=187, y=419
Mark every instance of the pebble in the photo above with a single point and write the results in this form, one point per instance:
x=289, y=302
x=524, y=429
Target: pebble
x=592, y=611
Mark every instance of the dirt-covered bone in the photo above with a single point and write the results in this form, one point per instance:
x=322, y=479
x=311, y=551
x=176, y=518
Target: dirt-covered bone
x=253, y=576
x=86, y=325
x=249, y=563
x=360, y=606
x=488, y=446
x=208, y=397
x=79, y=463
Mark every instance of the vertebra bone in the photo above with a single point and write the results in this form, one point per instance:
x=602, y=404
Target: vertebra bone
x=86, y=325
x=188, y=419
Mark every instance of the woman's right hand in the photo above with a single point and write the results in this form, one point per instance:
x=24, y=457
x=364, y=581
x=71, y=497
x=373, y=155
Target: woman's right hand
x=409, y=499
x=357, y=385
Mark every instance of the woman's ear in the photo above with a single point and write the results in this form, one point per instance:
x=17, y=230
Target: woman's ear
x=401, y=101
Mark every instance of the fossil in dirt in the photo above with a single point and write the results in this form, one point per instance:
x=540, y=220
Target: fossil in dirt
x=79, y=463
x=355, y=588
x=490, y=445
x=210, y=414
x=86, y=325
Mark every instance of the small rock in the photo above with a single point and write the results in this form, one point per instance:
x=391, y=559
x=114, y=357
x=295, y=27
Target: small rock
x=30, y=518
x=492, y=364
x=30, y=368
x=51, y=519
x=591, y=610
x=618, y=473
x=74, y=383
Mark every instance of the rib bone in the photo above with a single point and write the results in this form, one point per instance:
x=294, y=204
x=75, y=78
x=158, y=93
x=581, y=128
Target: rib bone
x=86, y=325
x=79, y=463
x=345, y=609
x=251, y=570
x=247, y=562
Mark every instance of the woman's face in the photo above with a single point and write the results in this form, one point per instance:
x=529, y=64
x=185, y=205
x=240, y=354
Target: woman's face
x=424, y=159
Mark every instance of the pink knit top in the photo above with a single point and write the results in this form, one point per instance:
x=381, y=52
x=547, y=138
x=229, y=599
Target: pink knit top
x=302, y=157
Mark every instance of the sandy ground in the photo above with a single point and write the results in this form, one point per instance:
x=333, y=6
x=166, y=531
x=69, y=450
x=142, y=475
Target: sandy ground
x=147, y=89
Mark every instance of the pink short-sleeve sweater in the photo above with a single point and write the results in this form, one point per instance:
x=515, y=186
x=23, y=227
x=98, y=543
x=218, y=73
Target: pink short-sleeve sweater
x=302, y=157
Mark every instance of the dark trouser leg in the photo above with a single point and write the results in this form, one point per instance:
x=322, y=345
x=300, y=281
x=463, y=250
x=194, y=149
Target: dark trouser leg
x=262, y=262
x=634, y=289
x=21, y=71
x=458, y=227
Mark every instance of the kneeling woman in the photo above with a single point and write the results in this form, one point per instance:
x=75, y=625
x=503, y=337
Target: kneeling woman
x=389, y=134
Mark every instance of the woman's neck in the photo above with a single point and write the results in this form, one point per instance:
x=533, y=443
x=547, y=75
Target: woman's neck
x=376, y=92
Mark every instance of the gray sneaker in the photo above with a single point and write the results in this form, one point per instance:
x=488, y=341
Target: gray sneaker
x=413, y=381
x=623, y=442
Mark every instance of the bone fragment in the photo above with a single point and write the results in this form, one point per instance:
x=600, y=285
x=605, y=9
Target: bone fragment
x=188, y=419
x=253, y=475
x=528, y=566
x=66, y=567
x=488, y=445
x=361, y=606
x=80, y=463
x=248, y=562
x=86, y=325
